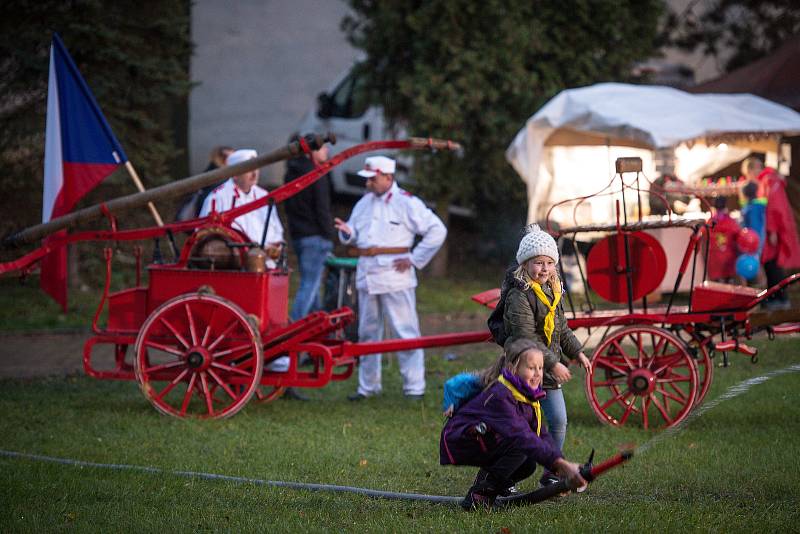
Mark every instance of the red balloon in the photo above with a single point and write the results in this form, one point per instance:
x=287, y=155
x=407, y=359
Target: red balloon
x=747, y=241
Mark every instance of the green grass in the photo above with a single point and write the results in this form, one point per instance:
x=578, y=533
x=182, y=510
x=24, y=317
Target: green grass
x=25, y=307
x=733, y=469
x=451, y=295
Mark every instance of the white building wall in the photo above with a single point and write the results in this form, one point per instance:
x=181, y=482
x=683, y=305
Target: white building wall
x=260, y=65
x=705, y=67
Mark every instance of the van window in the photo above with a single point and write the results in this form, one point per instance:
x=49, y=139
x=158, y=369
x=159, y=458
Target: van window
x=350, y=99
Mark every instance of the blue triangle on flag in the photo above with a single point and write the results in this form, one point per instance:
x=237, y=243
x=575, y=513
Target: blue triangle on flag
x=85, y=134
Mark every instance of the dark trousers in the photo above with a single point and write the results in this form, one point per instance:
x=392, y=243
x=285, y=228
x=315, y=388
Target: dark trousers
x=507, y=465
x=774, y=275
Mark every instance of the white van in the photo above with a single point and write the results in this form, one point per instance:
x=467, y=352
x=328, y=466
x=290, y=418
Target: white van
x=345, y=110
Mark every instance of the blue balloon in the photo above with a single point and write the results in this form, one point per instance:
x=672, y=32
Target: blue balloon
x=747, y=266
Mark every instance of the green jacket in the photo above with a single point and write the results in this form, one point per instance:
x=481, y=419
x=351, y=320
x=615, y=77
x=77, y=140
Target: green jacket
x=523, y=321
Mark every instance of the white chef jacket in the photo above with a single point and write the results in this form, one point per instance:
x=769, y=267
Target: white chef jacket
x=252, y=223
x=392, y=220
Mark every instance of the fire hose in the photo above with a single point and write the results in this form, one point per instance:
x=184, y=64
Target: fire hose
x=588, y=472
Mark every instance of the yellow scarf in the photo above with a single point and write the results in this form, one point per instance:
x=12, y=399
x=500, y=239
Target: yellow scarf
x=550, y=318
x=522, y=398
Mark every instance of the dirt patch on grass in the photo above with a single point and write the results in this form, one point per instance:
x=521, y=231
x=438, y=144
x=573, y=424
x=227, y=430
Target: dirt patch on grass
x=41, y=354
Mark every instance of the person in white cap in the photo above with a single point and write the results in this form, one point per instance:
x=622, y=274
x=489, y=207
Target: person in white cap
x=240, y=190
x=381, y=232
x=533, y=310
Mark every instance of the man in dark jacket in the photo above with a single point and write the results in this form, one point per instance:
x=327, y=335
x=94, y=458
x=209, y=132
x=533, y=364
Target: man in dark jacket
x=311, y=230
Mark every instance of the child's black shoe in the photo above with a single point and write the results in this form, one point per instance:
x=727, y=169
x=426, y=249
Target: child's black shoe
x=509, y=491
x=548, y=479
x=478, y=499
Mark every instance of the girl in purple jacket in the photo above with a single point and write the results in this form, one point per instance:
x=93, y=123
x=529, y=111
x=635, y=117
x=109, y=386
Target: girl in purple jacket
x=500, y=430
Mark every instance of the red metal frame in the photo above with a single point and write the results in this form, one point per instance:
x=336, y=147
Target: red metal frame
x=717, y=318
x=260, y=301
x=139, y=317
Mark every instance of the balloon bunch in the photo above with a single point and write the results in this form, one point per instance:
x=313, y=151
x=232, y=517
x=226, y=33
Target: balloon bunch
x=747, y=263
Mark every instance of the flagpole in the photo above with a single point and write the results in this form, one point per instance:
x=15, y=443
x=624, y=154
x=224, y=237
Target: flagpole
x=153, y=211
x=135, y=177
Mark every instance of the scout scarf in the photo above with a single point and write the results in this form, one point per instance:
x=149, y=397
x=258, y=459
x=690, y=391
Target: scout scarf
x=550, y=318
x=521, y=397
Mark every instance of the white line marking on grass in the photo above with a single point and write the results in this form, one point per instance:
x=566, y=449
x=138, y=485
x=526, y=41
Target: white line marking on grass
x=229, y=478
x=733, y=391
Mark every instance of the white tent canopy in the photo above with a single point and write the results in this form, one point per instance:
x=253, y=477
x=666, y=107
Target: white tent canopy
x=567, y=149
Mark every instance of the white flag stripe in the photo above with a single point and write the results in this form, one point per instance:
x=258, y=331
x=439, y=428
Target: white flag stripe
x=53, y=162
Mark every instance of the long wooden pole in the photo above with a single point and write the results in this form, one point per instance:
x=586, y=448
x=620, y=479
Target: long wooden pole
x=171, y=190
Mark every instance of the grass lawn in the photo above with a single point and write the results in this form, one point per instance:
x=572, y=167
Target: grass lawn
x=733, y=469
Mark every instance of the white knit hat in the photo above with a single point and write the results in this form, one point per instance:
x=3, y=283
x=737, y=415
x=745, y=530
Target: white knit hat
x=536, y=242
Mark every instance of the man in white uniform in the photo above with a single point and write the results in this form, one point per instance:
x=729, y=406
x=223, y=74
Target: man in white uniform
x=240, y=190
x=381, y=231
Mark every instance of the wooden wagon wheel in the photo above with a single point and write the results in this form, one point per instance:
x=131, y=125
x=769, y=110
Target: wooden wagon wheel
x=321, y=372
x=198, y=355
x=642, y=373
x=267, y=394
x=698, y=347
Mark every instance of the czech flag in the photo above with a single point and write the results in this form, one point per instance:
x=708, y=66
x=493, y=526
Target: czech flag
x=80, y=152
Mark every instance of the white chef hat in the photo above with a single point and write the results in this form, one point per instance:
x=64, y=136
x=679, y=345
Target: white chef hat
x=238, y=156
x=377, y=163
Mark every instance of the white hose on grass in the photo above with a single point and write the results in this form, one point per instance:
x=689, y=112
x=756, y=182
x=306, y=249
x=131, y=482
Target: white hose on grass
x=230, y=478
x=733, y=391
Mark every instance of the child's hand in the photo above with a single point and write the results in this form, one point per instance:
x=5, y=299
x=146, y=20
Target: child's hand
x=570, y=472
x=584, y=361
x=449, y=411
x=561, y=373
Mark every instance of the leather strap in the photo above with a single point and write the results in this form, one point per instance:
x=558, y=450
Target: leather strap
x=355, y=252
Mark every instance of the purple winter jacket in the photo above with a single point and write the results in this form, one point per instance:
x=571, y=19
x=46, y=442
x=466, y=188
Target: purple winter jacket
x=506, y=419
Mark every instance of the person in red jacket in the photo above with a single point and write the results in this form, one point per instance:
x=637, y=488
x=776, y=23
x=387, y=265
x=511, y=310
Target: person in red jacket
x=781, y=250
x=722, y=252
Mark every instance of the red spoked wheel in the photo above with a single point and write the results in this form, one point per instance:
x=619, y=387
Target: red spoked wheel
x=199, y=356
x=642, y=373
x=267, y=394
x=698, y=347
x=705, y=371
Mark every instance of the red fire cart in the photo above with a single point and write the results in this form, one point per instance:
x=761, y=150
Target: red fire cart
x=201, y=335
x=653, y=364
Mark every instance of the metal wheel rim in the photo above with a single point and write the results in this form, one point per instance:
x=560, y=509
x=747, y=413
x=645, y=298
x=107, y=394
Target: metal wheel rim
x=668, y=359
x=230, y=350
